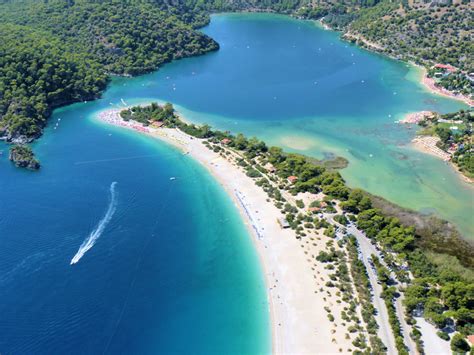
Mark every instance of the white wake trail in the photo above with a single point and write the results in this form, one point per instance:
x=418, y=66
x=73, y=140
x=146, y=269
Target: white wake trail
x=97, y=232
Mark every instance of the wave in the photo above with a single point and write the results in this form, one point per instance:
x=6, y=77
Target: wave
x=89, y=242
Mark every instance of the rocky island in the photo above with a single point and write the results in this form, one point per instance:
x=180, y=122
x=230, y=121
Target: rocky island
x=22, y=156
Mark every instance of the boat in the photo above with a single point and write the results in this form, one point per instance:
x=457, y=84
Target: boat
x=172, y=178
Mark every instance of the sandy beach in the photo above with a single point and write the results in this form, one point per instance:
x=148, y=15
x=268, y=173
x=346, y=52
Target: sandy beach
x=427, y=144
x=416, y=117
x=429, y=83
x=298, y=298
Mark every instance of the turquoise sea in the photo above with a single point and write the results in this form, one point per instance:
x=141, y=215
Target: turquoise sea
x=166, y=266
x=172, y=269
x=296, y=85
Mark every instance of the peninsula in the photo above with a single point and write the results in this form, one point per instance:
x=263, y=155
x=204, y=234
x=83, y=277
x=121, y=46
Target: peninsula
x=448, y=137
x=321, y=243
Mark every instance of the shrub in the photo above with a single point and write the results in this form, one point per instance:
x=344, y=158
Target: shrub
x=300, y=203
x=443, y=335
x=459, y=344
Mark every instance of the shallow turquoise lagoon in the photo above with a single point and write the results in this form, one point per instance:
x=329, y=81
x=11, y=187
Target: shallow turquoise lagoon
x=294, y=84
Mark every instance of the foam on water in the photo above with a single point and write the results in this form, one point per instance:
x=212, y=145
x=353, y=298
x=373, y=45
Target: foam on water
x=97, y=232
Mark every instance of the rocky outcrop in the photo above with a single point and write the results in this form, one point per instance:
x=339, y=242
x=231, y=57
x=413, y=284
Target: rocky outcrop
x=23, y=157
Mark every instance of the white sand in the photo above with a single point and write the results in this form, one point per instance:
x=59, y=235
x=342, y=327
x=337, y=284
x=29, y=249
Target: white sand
x=299, y=321
x=416, y=117
x=427, y=144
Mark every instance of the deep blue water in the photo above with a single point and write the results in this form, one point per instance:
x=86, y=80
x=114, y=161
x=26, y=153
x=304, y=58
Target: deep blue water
x=173, y=271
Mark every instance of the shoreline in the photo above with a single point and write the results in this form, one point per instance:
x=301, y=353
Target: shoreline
x=429, y=84
x=427, y=145
x=415, y=117
x=298, y=321
x=424, y=80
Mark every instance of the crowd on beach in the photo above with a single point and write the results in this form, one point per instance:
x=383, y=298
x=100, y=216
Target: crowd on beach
x=428, y=144
x=431, y=84
x=113, y=117
x=241, y=198
x=416, y=117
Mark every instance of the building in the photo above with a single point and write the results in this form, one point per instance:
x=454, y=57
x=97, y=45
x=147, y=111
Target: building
x=283, y=223
x=157, y=124
x=269, y=167
x=292, y=179
x=470, y=339
x=226, y=141
x=447, y=67
x=314, y=209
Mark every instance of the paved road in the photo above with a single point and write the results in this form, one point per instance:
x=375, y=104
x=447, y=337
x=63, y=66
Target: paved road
x=366, y=249
x=385, y=330
x=406, y=329
x=370, y=248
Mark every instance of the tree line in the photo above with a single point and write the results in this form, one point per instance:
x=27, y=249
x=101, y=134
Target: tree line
x=57, y=52
x=441, y=287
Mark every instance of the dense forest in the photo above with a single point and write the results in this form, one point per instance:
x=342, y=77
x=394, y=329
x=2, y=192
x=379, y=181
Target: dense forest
x=421, y=32
x=56, y=52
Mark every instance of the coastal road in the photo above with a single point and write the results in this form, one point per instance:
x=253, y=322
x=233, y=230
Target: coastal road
x=385, y=330
x=432, y=343
x=365, y=248
x=370, y=249
x=406, y=329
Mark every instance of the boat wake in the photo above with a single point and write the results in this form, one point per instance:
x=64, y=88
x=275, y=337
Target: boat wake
x=97, y=232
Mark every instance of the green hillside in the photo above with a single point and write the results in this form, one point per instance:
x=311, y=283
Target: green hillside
x=58, y=52
x=55, y=52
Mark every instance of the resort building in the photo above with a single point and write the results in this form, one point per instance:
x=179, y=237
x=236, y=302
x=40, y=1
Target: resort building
x=470, y=340
x=226, y=141
x=292, y=179
x=314, y=209
x=157, y=124
x=447, y=67
x=270, y=168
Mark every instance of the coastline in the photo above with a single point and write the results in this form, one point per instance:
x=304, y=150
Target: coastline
x=298, y=321
x=426, y=82
x=427, y=145
x=415, y=117
x=429, y=84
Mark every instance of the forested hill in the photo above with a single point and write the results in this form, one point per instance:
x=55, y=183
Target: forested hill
x=425, y=32
x=61, y=51
x=37, y=73
x=54, y=52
